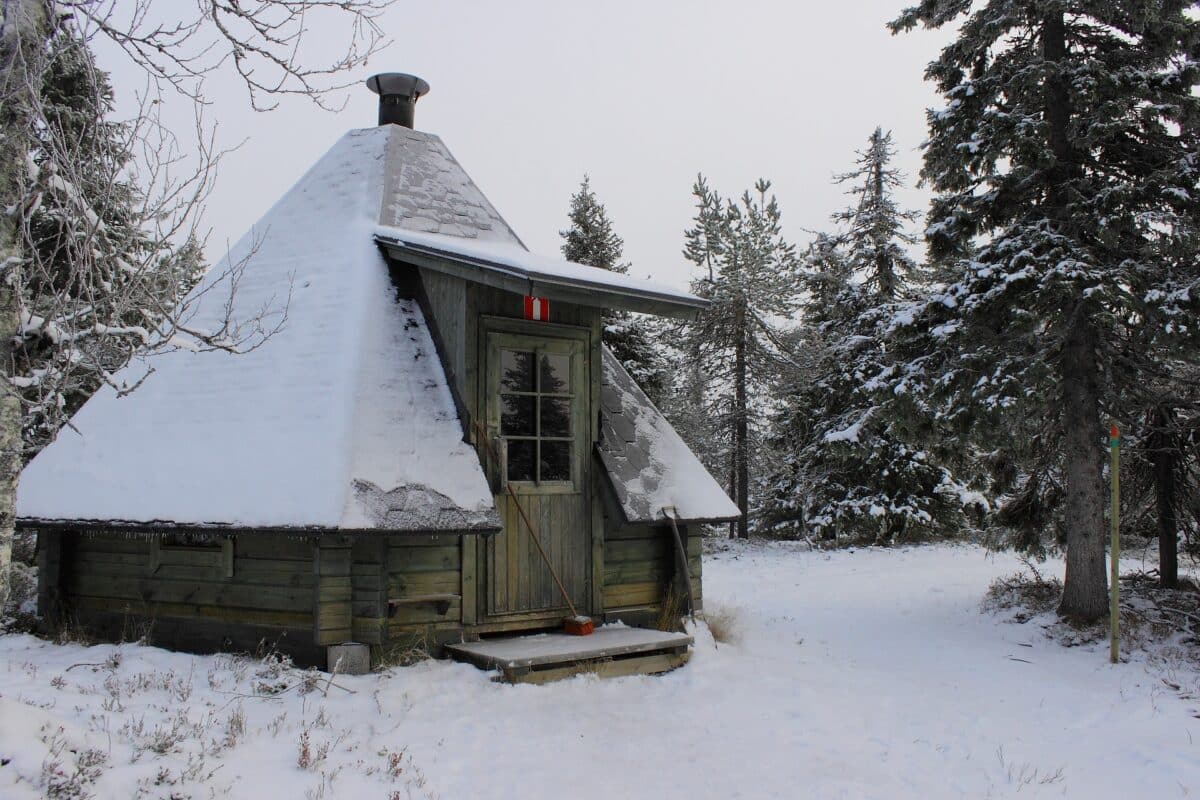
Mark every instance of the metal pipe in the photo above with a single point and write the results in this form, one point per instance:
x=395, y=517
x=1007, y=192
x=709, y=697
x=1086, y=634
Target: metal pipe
x=398, y=94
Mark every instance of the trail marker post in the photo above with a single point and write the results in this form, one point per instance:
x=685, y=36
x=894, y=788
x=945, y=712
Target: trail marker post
x=1114, y=599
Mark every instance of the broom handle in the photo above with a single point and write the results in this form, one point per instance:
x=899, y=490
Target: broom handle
x=528, y=524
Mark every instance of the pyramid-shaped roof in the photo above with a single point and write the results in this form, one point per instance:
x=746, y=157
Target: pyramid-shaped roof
x=343, y=419
x=321, y=426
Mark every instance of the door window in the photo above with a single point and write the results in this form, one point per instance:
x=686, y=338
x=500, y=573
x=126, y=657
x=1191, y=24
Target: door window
x=535, y=415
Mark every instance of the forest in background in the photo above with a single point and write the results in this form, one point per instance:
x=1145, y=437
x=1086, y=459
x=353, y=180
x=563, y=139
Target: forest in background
x=860, y=388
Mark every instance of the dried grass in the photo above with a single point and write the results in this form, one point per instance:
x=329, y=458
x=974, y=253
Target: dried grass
x=724, y=623
x=670, y=611
x=412, y=649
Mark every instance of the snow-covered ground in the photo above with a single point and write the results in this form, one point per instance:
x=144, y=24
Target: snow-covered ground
x=870, y=674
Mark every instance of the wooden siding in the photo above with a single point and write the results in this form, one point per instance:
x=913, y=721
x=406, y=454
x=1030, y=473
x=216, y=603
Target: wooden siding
x=368, y=570
x=296, y=594
x=110, y=584
x=50, y=573
x=639, y=566
x=446, y=297
x=332, y=591
x=425, y=566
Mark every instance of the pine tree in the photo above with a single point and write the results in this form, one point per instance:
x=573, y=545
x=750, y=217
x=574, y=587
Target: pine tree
x=825, y=277
x=590, y=239
x=1061, y=162
x=850, y=469
x=749, y=273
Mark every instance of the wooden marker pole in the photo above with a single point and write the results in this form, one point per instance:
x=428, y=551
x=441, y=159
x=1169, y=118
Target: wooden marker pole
x=1114, y=603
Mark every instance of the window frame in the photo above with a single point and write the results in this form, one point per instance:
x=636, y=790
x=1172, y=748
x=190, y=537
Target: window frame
x=217, y=547
x=575, y=347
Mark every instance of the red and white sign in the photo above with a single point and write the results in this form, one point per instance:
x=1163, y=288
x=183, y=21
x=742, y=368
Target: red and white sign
x=537, y=308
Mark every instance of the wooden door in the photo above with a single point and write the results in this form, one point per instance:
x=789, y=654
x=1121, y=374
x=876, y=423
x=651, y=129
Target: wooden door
x=538, y=402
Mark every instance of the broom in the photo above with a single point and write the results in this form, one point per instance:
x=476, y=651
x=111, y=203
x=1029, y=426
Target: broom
x=577, y=624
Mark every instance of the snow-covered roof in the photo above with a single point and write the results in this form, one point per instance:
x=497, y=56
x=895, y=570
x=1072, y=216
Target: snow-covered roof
x=427, y=191
x=342, y=420
x=517, y=269
x=648, y=463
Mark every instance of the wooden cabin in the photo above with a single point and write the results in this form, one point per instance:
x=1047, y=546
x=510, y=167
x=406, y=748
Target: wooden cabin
x=363, y=475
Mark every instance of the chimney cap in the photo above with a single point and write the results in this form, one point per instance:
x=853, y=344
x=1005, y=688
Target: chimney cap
x=398, y=83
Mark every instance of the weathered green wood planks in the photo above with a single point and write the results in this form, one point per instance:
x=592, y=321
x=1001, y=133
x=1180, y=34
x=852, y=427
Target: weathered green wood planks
x=332, y=591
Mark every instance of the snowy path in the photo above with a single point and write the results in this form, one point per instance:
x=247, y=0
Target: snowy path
x=857, y=675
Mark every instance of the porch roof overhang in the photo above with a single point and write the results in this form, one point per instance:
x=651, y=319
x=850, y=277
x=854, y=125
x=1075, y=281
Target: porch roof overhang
x=513, y=269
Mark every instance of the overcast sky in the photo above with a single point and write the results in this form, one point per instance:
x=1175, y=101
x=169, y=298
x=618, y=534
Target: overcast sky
x=531, y=94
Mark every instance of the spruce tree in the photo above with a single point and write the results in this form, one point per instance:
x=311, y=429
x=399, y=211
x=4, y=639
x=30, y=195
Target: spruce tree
x=850, y=468
x=143, y=276
x=590, y=239
x=1063, y=159
x=1165, y=457
x=876, y=240
x=749, y=272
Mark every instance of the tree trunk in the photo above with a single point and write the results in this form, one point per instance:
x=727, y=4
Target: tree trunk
x=1085, y=587
x=733, y=531
x=740, y=421
x=1058, y=118
x=22, y=32
x=1164, y=457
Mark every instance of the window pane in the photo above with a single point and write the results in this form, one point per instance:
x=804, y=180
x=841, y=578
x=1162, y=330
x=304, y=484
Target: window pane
x=556, y=417
x=516, y=371
x=516, y=415
x=556, y=461
x=520, y=459
x=556, y=374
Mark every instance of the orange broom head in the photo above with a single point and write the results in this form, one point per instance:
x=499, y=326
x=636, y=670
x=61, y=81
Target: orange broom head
x=578, y=626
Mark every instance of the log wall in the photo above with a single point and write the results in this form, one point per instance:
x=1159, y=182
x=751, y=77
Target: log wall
x=257, y=589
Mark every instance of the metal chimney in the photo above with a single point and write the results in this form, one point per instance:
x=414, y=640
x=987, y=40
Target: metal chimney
x=398, y=93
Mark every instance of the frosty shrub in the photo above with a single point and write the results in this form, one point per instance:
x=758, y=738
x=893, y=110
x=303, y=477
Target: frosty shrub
x=67, y=773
